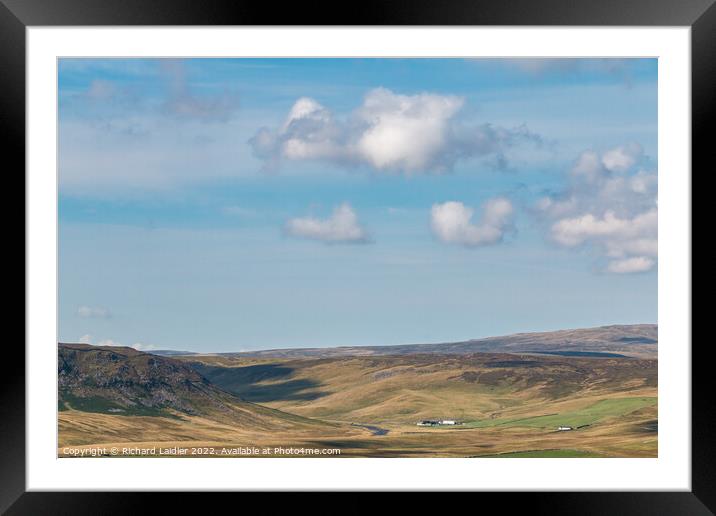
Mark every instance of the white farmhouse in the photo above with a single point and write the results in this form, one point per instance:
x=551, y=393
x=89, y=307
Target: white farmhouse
x=564, y=428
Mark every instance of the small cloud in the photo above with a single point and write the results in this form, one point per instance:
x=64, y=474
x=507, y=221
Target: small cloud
x=341, y=227
x=88, y=339
x=631, y=265
x=139, y=346
x=452, y=223
x=571, y=232
x=622, y=158
x=93, y=312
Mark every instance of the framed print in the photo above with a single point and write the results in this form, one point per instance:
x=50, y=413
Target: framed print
x=275, y=255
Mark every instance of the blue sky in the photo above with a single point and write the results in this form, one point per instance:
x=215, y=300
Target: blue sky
x=236, y=204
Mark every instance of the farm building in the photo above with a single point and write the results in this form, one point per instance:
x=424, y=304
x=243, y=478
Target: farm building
x=439, y=422
x=564, y=428
x=428, y=422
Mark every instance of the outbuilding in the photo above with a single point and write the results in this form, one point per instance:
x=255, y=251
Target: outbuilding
x=428, y=422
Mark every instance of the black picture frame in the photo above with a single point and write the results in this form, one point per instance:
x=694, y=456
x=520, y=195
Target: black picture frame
x=17, y=15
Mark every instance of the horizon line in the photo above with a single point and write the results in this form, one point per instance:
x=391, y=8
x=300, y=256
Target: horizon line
x=246, y=351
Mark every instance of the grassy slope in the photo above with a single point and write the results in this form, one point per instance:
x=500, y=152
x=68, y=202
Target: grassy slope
x=77, y=428
x=509, y=402
x=119, y=393
x=507, y=408
x=397, y=391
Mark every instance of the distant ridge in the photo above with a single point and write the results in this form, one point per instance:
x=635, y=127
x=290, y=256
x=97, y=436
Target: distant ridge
x=629, y=340
x=171, y=352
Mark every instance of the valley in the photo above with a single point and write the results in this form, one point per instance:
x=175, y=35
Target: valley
x=368, y=404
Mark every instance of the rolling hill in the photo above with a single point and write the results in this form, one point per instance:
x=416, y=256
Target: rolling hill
x=121, y=381
x=510, y=394
x=637, y=340
x=397, y=390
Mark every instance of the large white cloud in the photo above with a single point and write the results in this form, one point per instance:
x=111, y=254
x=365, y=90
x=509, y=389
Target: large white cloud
x=341, y=226
x=609, y=205
x=404, y=132
x=388, y=132
x=452, y=222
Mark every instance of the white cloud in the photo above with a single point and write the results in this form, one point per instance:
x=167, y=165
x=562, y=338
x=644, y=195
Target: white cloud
x=93, y=312
x=631, y=265
x=405, y=132
x=575, y=231
x=643, y=183
x=593, y=167
x=588, y=167
x=452, y=223
x=610, y=205
x=388, y=132
x=88, y=339
x=622, y=158
x=341, y=226
x=305, y=108
x=636, y=246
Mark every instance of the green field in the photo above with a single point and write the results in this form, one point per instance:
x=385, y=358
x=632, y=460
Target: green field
x=603, y=409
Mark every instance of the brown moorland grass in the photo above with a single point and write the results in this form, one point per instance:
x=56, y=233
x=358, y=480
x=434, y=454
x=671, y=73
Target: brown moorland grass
x=510, y=403
x=398, y=391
